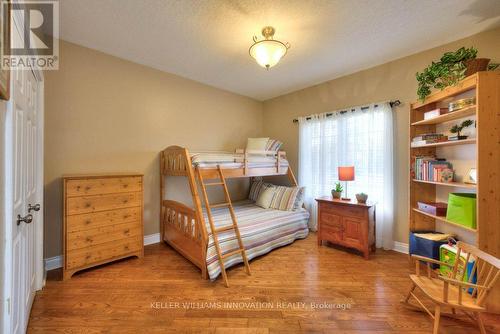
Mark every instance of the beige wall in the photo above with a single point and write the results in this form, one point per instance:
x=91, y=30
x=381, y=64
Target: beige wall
x=393, y=80
x=105, y=114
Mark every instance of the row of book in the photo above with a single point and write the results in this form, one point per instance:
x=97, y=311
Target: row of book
x=430, y=168
x=428, y=138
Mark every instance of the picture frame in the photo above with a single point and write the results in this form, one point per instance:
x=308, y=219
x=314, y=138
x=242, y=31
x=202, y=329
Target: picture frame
x=5, y=27
x=471, y=176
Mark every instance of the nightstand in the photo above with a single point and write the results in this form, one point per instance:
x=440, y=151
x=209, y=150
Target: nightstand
x=347, y=223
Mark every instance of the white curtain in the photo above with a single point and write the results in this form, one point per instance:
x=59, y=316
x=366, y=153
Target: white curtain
x=359, y=137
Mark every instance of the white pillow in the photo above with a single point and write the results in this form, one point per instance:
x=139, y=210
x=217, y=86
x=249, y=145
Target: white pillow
x=265, y=197
x=257, y=143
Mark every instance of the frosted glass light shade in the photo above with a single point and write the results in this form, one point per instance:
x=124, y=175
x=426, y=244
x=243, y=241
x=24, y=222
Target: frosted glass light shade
x=268, y=52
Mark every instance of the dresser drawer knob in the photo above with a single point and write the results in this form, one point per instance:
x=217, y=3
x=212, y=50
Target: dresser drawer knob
x=125, y=185
x=87, y=188
x=125, y=247
x=88, y=221
x=125, y=201
x=88, y=239
x=88, y=205
x=127, y=231
x=88, y=257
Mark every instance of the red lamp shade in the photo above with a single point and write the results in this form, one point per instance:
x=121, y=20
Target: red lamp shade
x=346, y=173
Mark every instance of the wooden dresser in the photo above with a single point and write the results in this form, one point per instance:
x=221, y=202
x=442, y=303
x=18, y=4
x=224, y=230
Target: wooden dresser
x=103, y=220
x=347, y=223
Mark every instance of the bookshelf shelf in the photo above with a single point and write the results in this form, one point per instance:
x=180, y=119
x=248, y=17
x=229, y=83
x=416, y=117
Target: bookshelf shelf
x=449, y=184
x=469, y=111
x=449, y=143
x=444, y=220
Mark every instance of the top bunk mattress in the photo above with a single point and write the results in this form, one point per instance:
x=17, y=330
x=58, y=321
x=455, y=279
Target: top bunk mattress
x=211, y=159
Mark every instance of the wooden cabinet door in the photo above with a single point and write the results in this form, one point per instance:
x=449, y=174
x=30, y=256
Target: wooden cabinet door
x=353, y=232
x=331, y=227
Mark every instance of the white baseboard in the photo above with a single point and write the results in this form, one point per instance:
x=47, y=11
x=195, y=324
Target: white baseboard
x=151, y=239
x=53, y=263
x=400, y=247
x=56, y=261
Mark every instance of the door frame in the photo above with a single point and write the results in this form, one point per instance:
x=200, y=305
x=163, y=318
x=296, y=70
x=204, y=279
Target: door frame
x=7, y=198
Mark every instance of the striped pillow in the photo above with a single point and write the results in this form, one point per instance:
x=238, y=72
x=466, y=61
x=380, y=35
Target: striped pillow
x=273, y=145
x=285, y=198
x=257, y=187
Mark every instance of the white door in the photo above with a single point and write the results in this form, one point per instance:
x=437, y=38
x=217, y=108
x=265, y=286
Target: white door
x=24, y=135
x=26, y=206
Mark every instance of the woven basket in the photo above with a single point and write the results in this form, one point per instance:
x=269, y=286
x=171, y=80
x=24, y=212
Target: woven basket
x=476, y=65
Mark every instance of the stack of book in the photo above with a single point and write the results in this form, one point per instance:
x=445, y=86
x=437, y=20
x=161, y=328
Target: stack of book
x=429, y=168
x=428, y=138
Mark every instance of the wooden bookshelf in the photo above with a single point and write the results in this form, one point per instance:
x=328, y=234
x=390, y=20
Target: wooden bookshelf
x=444, y=220
x=468, y=111
x=449, y=184
x=449, y=143
x=485, y=87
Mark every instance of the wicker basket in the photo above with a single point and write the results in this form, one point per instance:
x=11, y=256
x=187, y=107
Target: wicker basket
x=476, y=65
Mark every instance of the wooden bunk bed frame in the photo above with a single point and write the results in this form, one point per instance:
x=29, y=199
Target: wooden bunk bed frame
x=183, y=227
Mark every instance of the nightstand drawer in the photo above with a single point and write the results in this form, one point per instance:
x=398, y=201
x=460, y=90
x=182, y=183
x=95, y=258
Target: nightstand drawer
x=344, y=210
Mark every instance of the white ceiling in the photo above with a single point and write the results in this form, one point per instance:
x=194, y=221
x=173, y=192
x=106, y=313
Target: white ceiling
x=208, y=40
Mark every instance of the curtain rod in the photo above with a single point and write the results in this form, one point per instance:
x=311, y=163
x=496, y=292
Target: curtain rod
x=394, y=103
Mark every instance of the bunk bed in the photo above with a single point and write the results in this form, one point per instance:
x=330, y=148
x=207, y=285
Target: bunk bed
x=185, y=228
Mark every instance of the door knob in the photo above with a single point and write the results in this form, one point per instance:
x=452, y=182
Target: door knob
x=35, y=207
x=27, y=219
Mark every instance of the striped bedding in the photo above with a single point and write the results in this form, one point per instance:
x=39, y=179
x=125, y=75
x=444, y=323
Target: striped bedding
x=232, y=160
x=261, y=230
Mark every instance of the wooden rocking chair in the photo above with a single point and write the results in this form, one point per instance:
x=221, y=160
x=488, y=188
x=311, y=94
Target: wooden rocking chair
x=453, y=291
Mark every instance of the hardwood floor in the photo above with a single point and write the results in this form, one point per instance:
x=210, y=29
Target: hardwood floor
x=163, y=292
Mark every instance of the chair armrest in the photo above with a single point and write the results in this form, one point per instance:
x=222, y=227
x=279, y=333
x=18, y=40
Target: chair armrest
x=462, y=283
x=426, y=259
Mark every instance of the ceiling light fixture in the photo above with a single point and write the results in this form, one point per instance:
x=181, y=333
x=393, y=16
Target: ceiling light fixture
x=268, y=51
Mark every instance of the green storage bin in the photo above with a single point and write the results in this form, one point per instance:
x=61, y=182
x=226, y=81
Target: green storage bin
x=462, y=209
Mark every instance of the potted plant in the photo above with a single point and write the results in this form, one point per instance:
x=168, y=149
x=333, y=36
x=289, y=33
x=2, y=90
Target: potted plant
x=362, y=198
x=337, y=191
x=457, y=128
x=449, y=70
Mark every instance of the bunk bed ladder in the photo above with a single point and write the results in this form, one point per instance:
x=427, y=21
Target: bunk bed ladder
x=233, y=226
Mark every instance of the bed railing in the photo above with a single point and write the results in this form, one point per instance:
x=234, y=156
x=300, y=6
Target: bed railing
x=182, y=230
x=175, y=161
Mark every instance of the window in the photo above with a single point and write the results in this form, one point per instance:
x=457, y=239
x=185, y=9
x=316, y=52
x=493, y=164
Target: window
x=362, y=138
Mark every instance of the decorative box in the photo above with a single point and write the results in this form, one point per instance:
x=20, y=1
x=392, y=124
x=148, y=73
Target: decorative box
x=462, y=209
x=460, y=104
x=436, y=209
x=435, y=113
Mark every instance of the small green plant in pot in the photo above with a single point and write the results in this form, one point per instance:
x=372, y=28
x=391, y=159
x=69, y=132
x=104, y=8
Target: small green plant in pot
x=337, y=191
x=448, y=71
x=361, y=198
x=457, y=128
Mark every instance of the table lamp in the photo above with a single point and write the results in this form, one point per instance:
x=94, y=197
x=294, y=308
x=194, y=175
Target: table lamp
x=346, y=174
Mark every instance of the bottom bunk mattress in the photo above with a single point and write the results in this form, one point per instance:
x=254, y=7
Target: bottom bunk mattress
x=262, y=230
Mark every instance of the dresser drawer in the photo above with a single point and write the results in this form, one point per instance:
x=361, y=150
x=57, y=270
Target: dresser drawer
x=99, y=253
x=86, y=204
x=93, y=220
x=108, y=185
x=101, y=235
x=344, y=210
